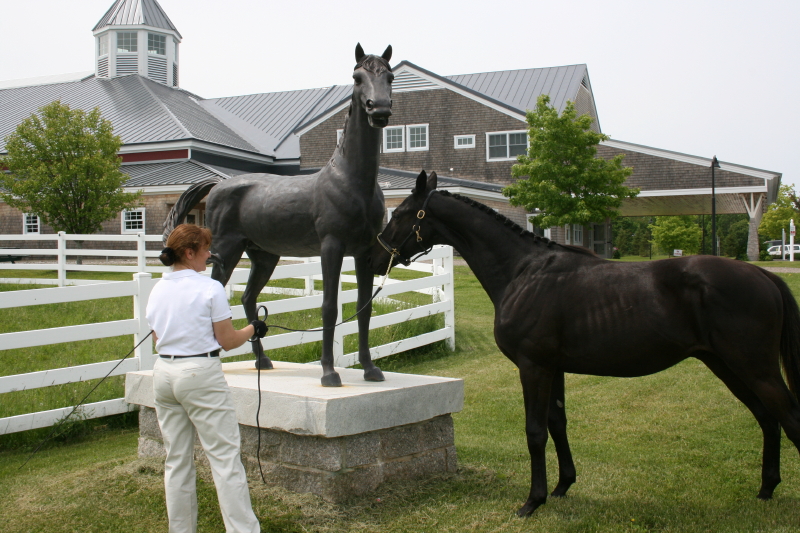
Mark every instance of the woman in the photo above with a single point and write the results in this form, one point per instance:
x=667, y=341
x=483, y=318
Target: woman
x=191, y=320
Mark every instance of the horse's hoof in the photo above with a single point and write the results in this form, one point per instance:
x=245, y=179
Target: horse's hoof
x=527, y=509
x=374, y=374
x=264, y=363
x=331, y=380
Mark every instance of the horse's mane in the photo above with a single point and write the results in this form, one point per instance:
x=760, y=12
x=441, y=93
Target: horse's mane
x=374, y=64
x=522, y=232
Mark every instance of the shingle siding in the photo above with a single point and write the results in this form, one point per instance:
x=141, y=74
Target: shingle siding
x=448, y=114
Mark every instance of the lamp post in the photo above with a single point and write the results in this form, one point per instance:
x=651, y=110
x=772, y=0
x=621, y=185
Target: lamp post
x=714, y=164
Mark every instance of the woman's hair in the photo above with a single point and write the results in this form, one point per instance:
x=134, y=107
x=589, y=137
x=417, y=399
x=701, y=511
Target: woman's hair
x=184, y=237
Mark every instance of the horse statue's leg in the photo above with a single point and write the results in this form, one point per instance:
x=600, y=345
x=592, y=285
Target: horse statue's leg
x=262, y=265
x=364, y=278
x=557, y=425
x=332, y=254
x=536, y=385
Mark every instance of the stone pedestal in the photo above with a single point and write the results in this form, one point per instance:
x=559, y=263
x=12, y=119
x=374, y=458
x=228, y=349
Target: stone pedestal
x=334, y=442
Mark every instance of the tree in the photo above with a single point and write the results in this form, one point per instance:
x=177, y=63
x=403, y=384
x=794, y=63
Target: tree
x=561, y=175
x=676, y=233
x=734, y=243
x=779, y=213
x=64, y=167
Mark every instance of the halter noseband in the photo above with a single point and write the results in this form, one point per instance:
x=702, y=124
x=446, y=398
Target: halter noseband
x=415, y=229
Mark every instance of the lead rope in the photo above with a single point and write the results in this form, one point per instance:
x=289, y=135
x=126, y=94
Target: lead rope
x=258, y=368
x=55, y=428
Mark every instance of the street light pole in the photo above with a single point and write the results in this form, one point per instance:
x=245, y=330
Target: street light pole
x=714, y=164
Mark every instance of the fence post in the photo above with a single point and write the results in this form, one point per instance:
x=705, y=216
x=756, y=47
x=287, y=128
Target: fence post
x=141, y=247
x=62, y=259
x=338, y=337
x=449, y=295
x=143, y=353
x=308, y=290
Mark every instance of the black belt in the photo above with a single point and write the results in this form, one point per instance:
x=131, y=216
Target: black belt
x=215, y=353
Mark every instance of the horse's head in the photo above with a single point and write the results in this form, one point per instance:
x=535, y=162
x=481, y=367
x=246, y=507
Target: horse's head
x=409, y=232
x=372, y=87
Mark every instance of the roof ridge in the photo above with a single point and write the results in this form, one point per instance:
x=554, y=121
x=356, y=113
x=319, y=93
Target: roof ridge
x=209, y=168
x=514, y=70
x=164, y=106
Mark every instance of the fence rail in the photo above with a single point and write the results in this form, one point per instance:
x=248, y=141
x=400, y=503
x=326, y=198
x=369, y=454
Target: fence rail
x=438, y=283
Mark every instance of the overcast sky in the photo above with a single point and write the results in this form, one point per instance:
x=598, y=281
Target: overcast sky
x=701, y=77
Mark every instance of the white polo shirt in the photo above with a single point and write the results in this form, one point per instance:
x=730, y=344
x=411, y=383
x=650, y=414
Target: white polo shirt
x=181, y=310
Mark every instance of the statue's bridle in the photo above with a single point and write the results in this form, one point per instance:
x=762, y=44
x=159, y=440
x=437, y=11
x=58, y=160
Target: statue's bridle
x=415, y=229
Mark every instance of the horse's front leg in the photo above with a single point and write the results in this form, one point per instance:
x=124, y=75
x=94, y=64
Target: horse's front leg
x=536, y=385
x=557, y=424
x=364, y=278
x=332, y=253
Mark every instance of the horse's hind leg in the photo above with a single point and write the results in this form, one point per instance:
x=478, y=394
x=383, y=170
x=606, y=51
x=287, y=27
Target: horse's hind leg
x=770, y=427
x=557, y=425
x=262, y=265
x=364, y=278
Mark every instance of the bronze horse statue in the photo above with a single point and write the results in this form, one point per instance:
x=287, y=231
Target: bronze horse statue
x=336, y=212
x=562, y=309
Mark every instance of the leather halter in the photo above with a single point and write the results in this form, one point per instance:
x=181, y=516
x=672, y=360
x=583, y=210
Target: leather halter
x=415, y=229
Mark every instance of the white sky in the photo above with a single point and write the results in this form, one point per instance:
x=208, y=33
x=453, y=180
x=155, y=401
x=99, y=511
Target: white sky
x=703, y=77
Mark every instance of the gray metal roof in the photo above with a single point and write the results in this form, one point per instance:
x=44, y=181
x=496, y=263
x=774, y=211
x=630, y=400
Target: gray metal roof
x=520, y=88
x=136, y=12
x=141, y=110
x=175, y=173
x=267, y=120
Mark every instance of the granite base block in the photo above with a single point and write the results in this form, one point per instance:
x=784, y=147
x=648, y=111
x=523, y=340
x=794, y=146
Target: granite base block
x=335, y=468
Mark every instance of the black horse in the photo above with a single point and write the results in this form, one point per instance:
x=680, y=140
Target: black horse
x=562, y=309
x=336, y=212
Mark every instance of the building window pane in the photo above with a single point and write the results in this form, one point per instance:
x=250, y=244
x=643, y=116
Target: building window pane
x=133, y=220
x=126, y=42
x=156, y=44
x=394, y=139
x=418, y=137
x=464, y=141
x=498, y=147
x=577, y=234
x=30, y=223
x=517, y=144
x=103, y=44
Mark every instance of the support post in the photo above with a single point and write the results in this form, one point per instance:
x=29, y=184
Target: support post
x=62, y=259
x=143, y=353
x=449, y=296
x=754, y=211
x=141, y=248
x=308, y=286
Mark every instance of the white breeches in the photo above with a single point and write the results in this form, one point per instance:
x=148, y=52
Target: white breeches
x=191, y=394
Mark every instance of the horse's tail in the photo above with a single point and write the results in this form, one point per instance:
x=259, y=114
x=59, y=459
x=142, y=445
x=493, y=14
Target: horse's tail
x=790, y=336
x=188, y=200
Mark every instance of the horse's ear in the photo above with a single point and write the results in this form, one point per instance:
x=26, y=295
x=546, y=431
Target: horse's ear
x=387, y=54
x=422, y=182
x=359, y=52
x=432, y=181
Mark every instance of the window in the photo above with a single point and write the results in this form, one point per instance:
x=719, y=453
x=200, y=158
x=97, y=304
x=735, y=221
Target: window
x=126, y=42
x=577, y=234
x=133, y=220
x=339, y=134
x=547, y=233
x=389, y=213
x=103, y=45
x=567, y=234
x=393, y=139
x=417, y=137
x=30, y=223
x=464, y=141
x=504, y=146
x=156, y=44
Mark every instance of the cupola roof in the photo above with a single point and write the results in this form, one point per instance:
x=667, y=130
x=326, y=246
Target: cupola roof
x=136, y=12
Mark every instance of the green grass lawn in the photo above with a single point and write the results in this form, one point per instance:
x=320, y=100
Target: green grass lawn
x=672, y=452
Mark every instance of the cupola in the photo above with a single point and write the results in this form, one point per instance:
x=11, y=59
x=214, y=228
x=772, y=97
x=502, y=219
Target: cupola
x=137, y=37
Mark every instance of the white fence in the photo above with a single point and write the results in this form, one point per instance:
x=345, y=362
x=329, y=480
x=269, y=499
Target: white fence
x=439, y=284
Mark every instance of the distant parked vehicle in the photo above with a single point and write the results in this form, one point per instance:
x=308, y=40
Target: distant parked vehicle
x=776, y=250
